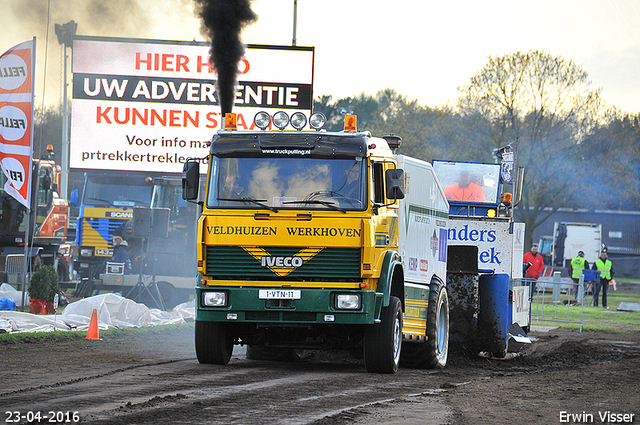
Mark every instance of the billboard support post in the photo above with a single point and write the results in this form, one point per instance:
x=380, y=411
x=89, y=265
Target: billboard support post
x=64, y=176
x=65, y=34
x=295, y=21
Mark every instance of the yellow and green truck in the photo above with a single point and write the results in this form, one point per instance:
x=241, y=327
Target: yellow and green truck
x=320, y=240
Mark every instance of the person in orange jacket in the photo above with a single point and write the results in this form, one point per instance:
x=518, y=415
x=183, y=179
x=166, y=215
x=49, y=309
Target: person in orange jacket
x=534, y=265
x=464, y=190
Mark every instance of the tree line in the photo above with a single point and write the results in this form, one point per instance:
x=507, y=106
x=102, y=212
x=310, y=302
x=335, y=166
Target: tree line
x=577, y=153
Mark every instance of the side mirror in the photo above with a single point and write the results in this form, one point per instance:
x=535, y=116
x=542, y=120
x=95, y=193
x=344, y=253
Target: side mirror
x=394, y=179
x=74, y=198
x=190, y=180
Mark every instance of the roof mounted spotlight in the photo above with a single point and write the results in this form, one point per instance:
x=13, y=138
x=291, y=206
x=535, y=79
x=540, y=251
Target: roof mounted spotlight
x=317, y=121
x=280, y=120
x=298, y=121
x=262, y=120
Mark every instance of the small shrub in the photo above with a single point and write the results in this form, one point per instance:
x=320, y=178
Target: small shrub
x=44, y=284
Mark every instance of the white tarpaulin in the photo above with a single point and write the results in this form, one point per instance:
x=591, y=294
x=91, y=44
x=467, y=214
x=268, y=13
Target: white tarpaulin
x=113, y=310
x=13, y=294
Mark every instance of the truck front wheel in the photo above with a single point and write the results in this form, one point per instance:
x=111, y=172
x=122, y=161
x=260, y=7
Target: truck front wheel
x=213, y=343
x=383, y=341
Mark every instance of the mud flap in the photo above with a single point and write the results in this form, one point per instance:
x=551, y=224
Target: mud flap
x=383, y=288
x=462, y=288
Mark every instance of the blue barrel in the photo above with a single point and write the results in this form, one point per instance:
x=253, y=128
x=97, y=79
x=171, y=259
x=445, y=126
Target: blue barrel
x=494, y=315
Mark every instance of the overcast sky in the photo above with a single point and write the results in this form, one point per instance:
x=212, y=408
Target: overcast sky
x=423, y=49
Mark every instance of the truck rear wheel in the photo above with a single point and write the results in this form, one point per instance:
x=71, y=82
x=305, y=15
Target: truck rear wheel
x=433, y=352
x=437, y=327
x=383, y=341
x=213, y=343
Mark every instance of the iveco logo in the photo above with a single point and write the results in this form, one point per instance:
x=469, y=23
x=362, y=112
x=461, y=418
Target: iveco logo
x=281, y=261
x=281, y=265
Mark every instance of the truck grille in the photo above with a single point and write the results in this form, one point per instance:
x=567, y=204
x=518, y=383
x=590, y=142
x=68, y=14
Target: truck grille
x=327, y=265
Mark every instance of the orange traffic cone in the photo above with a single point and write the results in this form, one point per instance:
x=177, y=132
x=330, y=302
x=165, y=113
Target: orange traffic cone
x=93, y=332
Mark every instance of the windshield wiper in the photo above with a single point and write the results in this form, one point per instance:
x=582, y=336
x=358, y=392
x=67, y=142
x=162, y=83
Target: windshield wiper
x=329, y=204
x=135, y=201
x=106, y=201
x=258, y=202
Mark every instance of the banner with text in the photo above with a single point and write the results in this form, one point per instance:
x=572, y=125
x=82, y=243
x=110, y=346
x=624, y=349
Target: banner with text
x=148, y=105
x=16, y=119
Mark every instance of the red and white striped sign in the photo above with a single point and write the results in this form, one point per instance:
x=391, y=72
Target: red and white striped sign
x=16, y=119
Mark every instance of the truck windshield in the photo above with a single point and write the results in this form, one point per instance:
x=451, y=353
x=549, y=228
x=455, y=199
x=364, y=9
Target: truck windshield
x=167, y=196
x=117, y=192
x=469, y=182
x=294, y=183
x=545, y=246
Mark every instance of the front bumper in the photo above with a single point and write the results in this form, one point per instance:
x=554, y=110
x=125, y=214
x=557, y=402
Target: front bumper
x=315, y=306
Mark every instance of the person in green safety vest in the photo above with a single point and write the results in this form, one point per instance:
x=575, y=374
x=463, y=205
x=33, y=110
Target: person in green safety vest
x=575, y=269
x=604, y=266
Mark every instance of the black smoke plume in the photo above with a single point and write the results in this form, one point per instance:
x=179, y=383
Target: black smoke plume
x=224, y=20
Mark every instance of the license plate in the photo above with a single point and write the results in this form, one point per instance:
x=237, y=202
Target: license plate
x=279, y=294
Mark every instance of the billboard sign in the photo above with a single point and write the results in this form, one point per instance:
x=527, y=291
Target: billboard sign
x=148, y=105
x=500, y=242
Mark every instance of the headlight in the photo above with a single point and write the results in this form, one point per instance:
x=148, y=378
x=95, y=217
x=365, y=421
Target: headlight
x=280, y=120
x=214, y=299
x=348, y=301
x=298, y=121
x=86, y=252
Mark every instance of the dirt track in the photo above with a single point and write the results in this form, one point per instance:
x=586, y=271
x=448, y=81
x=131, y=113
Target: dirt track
x=133, y=377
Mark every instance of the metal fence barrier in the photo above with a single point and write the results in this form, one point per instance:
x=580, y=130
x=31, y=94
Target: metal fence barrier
x=14, y=266
x=554, y=297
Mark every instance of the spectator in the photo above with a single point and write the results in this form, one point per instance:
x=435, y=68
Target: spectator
x=534, y=265
x=575, y=270
x=605, y=267
x=121, y=253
